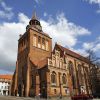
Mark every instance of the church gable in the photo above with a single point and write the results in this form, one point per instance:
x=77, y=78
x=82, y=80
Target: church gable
x=56, y=60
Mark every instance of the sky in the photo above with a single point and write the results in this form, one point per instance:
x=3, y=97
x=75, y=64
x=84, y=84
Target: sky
x=74, y=24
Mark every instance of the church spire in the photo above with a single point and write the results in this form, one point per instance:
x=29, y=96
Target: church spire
x=34, y=22
x=34, y=15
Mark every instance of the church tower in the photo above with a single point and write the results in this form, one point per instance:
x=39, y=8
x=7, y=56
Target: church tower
x=40, y=42
x=33, y=47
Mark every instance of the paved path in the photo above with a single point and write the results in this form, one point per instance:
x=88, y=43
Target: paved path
x=14, y=98
x=26, y=98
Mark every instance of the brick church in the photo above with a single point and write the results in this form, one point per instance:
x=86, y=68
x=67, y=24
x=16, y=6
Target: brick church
x=41, y=70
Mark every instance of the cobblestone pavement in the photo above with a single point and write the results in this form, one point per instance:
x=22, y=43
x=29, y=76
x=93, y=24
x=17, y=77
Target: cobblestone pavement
x=26, y=98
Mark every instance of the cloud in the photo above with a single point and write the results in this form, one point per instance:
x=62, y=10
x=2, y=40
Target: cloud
x=37, y=1
x=98, y=11
x=8, y=46
x=60, y=29
x=6, y=8
x=87, y=46
x=3, y=14
x=6, y=11
x=81, y=51
x=63, y=31
x=94, y=46
x=23, y=18
x=45, y=14
x=95, y=2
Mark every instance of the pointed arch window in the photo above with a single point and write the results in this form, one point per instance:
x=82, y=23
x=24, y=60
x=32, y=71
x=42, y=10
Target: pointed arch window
x=70, y=67
x=80, y=75
x=64, y=79
x=71, y=72
x=53, y=77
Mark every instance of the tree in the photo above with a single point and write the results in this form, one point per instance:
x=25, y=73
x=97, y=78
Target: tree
x=94, y=75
